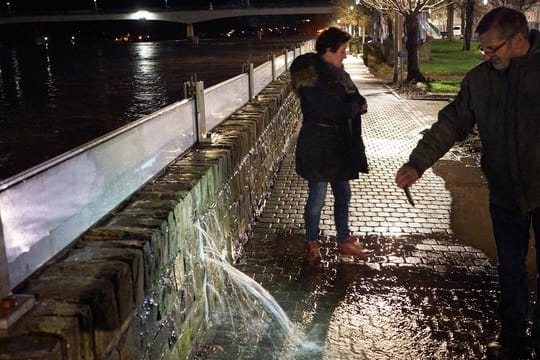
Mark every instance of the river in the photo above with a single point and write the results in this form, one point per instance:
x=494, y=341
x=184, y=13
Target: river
x=55, y=98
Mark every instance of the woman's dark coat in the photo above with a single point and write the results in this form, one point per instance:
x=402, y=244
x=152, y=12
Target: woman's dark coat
x=330, y=146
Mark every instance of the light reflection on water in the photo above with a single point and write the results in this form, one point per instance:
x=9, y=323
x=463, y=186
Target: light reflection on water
x=147, y=81
x=54, y=98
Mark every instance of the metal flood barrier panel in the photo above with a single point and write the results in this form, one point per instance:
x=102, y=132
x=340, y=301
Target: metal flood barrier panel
x=46, y=208
x=263, y=76
x=222, y=99
x=55, y=203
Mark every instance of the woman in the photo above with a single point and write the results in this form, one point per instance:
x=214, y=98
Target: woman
x=330, y=147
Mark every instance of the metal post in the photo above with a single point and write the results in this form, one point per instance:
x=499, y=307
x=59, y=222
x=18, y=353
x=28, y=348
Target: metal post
x=273, y=66
x=12, y=307
x=4, y=270
x=200, y=112
x=286, y=59
x=189, y=87
x=186, y=89
x=248, y=68
x=398, y=48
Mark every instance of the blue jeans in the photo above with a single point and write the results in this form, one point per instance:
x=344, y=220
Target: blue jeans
x=315, y=203
x=511, y=232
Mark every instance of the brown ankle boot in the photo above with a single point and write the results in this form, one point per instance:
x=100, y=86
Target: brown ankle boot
x=351, y=247
x=313, y=252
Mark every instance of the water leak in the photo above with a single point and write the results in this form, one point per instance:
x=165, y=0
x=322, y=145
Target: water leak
x=363, y=310
x=240, y=307
x=423, y=295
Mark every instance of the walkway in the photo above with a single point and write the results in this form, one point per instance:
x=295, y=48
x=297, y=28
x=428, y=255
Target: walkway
x=424, y=295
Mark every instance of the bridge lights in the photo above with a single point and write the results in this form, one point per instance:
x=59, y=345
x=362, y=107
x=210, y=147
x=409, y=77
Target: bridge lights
x=142, y=15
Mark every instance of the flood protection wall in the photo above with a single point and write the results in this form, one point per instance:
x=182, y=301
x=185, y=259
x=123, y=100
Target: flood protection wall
x=44, y=209
x=134, y=286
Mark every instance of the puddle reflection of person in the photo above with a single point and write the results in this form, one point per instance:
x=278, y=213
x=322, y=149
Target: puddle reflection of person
x=330, y=149
x=502, y=97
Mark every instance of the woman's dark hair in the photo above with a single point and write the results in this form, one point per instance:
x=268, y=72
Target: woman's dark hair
x=508, y=22
x=331, y=38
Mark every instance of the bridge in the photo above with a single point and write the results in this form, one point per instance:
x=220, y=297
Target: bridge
x=188, y=17
x=181, y=16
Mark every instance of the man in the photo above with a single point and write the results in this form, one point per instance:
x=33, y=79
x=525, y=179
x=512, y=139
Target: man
x=502, y=97
x=330, y=149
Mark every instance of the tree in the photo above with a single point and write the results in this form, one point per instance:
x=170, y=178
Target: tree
x=450, y=7
x=352, y=15
x=468, y=30
x=409, y=9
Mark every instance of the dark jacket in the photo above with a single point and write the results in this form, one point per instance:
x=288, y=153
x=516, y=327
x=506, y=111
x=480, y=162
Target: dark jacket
x=506, y=107
x=330, y=146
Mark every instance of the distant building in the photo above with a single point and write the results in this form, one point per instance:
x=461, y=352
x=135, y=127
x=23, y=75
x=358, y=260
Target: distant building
x=438, y=17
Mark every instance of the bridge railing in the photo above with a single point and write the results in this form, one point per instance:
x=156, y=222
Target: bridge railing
x=46, y=208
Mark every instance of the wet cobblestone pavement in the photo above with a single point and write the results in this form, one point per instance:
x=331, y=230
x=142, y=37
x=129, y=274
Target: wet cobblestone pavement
x=423, y=295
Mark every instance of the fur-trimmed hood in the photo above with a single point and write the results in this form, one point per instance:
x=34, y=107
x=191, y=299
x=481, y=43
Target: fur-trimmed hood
x=304, y=71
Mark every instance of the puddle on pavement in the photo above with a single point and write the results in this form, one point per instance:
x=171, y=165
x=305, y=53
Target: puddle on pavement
x=355, y=310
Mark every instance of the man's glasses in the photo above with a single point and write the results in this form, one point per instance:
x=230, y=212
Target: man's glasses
x=493, y=51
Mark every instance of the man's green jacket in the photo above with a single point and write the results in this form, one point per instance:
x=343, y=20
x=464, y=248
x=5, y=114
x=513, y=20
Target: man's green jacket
x=505, y=104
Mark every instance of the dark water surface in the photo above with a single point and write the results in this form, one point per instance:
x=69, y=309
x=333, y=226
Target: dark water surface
x=55, y=98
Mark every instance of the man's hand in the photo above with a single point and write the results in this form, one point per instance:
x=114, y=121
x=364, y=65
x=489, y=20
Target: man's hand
x=363, y=108
x=406, y=176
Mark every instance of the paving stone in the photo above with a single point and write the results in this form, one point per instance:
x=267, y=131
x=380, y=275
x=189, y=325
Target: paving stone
x=423, y=295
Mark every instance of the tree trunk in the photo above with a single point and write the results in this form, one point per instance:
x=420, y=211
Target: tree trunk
x=413, y=63
x=469, y=16
x=450, y=21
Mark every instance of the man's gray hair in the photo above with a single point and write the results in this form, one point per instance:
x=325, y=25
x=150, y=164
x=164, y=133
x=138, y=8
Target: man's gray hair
x=508, y=22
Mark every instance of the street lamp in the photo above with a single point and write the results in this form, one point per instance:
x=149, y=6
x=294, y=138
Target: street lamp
x=8, y=8
x=166, y=4
x=95, y=5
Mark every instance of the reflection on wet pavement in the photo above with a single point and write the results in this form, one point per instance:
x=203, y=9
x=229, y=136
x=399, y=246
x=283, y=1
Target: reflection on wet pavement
x=424, y=294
